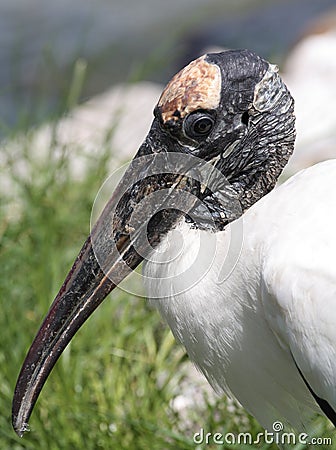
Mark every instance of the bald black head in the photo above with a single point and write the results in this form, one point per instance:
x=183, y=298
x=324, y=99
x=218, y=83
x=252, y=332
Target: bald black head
x=231, y=108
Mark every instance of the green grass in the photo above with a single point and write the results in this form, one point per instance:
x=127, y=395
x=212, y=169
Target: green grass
x=113, y=386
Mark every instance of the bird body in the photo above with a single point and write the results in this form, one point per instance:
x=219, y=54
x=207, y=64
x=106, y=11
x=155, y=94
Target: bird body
x=244, y=276
x=274, y=310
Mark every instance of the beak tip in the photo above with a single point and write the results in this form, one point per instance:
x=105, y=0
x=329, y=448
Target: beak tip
x=19, y=421
x=20, y=428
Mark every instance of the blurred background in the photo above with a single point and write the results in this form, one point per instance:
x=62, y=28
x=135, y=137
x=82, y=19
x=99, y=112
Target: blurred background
x=78, y=83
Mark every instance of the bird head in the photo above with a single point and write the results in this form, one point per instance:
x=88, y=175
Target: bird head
x=222, y=132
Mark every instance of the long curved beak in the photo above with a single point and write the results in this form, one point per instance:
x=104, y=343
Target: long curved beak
x=114, y=248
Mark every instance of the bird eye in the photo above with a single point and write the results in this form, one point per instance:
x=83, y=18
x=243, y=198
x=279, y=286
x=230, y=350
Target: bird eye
x=198, y=125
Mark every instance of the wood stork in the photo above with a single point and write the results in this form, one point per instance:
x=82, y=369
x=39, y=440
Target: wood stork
x=247, y=284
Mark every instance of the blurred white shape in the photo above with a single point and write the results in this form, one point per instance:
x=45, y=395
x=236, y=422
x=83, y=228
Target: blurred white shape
x=117, y=119
x=310, y=74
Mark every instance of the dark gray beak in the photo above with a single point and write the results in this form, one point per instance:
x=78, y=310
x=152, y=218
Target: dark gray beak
x=121, y=238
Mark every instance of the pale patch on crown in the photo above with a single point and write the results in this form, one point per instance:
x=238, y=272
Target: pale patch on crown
x=197, y=86
x=270, y=90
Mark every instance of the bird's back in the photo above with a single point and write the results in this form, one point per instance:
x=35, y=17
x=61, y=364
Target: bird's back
x=299, y=275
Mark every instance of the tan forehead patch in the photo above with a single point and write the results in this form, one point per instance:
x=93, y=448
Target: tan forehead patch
x=197, y=86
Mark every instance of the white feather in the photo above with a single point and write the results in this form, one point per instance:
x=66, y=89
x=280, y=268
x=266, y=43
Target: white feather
x=277, y=300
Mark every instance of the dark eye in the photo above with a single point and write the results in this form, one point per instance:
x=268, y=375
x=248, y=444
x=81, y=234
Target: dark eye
x=198, y=125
